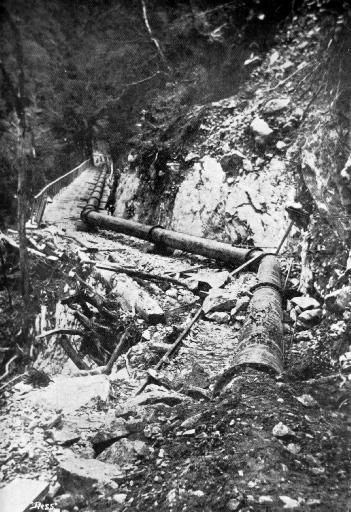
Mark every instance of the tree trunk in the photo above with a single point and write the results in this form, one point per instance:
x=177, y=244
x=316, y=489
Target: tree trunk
x=23, y=146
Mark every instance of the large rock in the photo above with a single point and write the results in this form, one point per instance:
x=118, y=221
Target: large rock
x=276, y=105
x=261, y=128
x=70, y=393
x=78, y=475
x=305, y=303
x=21, y=494
x=219, y=300
x=339, y=300
x=232, y=162
x=124, y=452
x=115, y=429
x=310, y=317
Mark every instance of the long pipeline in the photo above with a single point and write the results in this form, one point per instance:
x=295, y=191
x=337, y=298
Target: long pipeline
x=161, y=236
x=261, y=338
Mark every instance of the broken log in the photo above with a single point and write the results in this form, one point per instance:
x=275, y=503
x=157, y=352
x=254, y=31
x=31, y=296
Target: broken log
x=144, y=275
x=132, y=297
x=172, y=348
x=72, y=354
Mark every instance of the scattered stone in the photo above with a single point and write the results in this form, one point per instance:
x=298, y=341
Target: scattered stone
x=265, y=499
x=172, y=292
x=198, y=493
x=192, y=421
x=79, y=475
x=310, y=317
x=146, y=335
x=21, y=493
x=234, y=505
x=280, y=145
x=219, y=317
x=241, y=305
x=67, y=500
x=71, y=393
x=290, y=503
x=191, y=156
x=307, y=400
x=280, y=430
x=196, y=392
x=208, y=280
x=219, y=300
x=65, y=437
x=150, y=398
x=114, y=430
x=190, y=432
x=232, y=162
x=119, y=498
x=261, y=128
x=293, y=448
x=305, y=303
x=124, y=452
x=276, y=105
x=247, y=165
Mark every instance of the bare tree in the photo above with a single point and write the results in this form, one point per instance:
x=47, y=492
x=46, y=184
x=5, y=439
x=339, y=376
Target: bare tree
x=16, y=88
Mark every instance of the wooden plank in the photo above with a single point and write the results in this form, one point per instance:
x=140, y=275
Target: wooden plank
x=21, y=494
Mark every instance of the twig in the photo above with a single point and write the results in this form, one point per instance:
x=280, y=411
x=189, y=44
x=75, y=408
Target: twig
x=117, y=352
x=282, y=82
x=172, y=348
x=12, y=381
x=153, y=38
x=286, y=234
x=72, y=332
x=7, y=367
x=246, y=264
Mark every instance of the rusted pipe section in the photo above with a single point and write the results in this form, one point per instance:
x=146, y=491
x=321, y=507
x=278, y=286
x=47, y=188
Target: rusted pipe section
x=172, y=239
x=96, y=195
x=261, y=337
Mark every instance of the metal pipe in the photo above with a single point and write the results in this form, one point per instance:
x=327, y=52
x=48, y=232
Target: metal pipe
x=261, y=337
x=173, y=239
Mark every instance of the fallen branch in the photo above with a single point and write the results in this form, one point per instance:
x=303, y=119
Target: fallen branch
x=117, y=352
x=246, y=264
x=72, y=354
x=143, y=275
x=152, y=37
x=172, y=348
x=72, y=332
x=7, y=367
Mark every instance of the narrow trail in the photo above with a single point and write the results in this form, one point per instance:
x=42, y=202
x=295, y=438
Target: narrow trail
x=65, y=208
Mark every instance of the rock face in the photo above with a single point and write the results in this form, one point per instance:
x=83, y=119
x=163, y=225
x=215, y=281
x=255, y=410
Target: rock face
x=198, y=197
x=78, y=475
x=71, y=393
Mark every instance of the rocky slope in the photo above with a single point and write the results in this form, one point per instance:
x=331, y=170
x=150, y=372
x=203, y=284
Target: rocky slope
x=198, y=437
